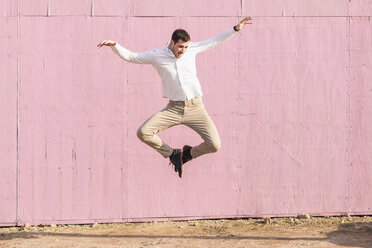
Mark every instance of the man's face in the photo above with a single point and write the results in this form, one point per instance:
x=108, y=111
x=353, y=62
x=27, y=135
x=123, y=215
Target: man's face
x=179, y=48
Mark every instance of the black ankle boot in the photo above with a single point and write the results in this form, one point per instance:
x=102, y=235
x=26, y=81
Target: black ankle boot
x=186, y=154
x=176, y=160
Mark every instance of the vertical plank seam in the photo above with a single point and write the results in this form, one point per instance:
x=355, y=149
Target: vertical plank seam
x=241, y=7
x=126, y=170
x=237, y=182
x=48, y=9
x=17, y=121
x=348, y=143
x=92, y=9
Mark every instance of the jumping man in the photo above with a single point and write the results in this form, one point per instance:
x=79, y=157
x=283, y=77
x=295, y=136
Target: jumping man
x=175, y=64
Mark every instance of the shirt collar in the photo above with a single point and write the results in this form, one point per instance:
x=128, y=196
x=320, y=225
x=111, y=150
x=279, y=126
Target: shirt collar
x=167, y=50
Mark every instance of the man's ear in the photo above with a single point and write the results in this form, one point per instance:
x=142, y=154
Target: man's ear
x=172, y=43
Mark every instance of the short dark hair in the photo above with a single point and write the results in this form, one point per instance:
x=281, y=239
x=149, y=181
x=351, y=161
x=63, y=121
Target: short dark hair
x=180, y=34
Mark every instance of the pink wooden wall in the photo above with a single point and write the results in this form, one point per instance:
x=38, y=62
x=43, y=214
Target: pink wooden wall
x=291, y=96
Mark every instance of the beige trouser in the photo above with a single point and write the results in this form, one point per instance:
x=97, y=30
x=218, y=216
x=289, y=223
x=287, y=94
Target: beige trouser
x=190, y=113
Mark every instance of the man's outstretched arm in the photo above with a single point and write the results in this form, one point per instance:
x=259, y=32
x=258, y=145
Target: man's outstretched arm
x=220, y=38
x=138, y=58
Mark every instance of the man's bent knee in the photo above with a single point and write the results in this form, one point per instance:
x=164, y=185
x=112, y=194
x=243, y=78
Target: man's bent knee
x=141, y=134
x=215, y=146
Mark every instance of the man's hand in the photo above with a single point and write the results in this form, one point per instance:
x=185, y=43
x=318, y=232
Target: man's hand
x=243, y=22
x=107, y=43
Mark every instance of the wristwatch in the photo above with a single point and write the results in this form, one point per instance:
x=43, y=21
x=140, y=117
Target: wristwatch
x=236, y=29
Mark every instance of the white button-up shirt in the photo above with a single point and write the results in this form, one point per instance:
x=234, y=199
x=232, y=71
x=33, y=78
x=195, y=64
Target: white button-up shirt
x=178, y=76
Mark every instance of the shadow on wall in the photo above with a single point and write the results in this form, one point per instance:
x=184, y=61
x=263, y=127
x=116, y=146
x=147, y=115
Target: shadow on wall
x=357, y=234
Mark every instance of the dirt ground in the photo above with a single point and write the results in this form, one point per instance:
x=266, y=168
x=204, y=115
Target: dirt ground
x=275, y=232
